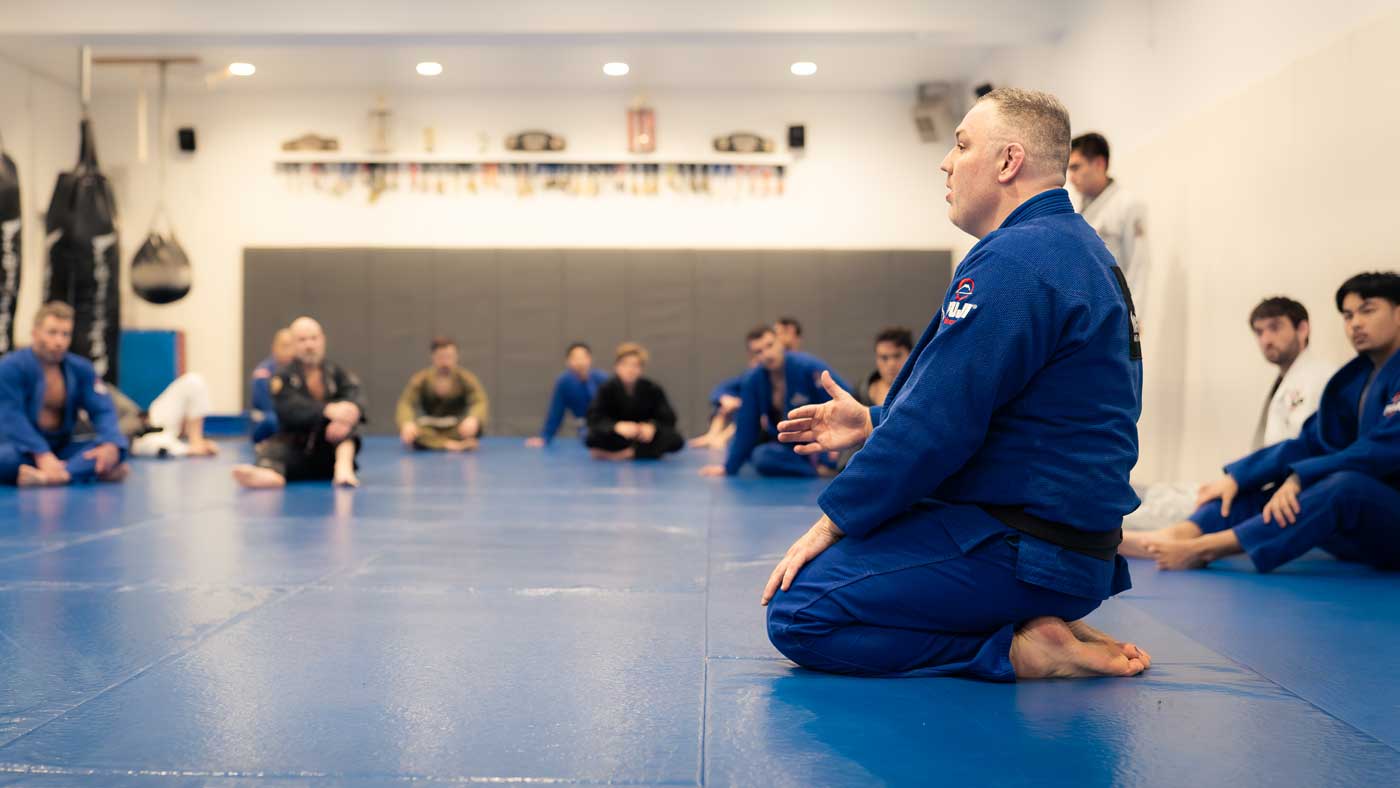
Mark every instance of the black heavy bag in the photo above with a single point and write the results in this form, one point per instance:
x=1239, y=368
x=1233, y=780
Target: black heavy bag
x=160, y=272
x=10, y=257
x=84, y=263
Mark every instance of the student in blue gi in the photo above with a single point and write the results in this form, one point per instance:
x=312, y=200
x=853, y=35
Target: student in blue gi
x=1336, y=486
x=574, y=390
x=264, y=409
x=979, y=522
x=42, y=388
x=782, y=380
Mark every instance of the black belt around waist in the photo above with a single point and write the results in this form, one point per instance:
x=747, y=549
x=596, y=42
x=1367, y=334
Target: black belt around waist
x=1102, y=545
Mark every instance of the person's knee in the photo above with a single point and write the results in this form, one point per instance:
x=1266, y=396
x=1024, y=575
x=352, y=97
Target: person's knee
x=1343, y=483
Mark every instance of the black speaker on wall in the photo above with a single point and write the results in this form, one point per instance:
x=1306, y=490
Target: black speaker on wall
x=797, y=137
x=186, y=134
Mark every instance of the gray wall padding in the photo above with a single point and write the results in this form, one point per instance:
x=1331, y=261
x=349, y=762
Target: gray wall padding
x=513, y=311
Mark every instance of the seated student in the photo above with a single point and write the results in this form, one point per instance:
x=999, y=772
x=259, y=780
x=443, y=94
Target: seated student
x=1281, y=328
x=631, y=417
x=781, y=381
x=318, y=408
x=573, y=391
x=892, y=348
x=264, y=412
x=177, y=413
x=789, y=332
x=725, y=400
x=1336, y=486
x=42, y=388
x=443, y=407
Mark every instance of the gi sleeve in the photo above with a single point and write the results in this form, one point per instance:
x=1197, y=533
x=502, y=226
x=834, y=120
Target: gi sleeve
x=94, y=398
x=480, y=403
x=14, y=419
x=406, y=411
x=1376, y=454
x=555, y=416
x=262, y=395
x=747, y=425
x=348, y=389
x=1271, y=464
x=297, y=411
x=973, y=366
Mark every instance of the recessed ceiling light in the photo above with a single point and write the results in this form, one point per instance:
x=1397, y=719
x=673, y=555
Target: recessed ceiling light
x=242, y=69
x=429, y=68
x=616, y=69
x=804, y=68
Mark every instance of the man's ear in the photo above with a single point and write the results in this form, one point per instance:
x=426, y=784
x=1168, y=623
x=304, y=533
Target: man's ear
x=1012, y=159
x=1304, y=331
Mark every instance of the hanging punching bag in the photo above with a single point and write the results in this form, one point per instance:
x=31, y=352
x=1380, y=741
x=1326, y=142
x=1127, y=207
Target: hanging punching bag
x=10, y=257
x=160, y=272
x=83, y=258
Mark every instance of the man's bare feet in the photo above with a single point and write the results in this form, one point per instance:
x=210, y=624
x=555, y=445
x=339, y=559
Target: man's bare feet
x=29, y=476
x=613, y=456
x=1088, y=634
x=1188, y=554
x=203, y=448
x=116, y=474
x=1046, y=648
x=702, y=442
x=466, y=444
x=255, y=478
x=345, y=476
x=1139, y=544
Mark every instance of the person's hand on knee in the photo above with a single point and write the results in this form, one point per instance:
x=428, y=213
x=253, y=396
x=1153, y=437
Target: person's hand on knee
x=1283, y=509
x=646, y=432
x=338, y=431
x=1225, y=488
x=811, y=544
x=104, y=457
x=469, y=428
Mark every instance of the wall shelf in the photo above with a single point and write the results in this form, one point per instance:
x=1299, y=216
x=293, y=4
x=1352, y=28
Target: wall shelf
x=512, y=157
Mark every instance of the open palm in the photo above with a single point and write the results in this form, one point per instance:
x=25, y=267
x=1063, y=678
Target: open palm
x=843, y=423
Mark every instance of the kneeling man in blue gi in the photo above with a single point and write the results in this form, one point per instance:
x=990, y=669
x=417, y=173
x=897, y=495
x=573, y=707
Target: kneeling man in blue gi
x=979, y=522
x=779, y=381
x=42, y=388
x=1336, y=486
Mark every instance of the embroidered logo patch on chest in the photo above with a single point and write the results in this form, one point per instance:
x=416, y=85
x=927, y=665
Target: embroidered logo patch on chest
x=959, y=308
x=1394, y=406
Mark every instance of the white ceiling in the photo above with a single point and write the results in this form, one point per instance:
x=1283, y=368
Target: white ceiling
x=560, y=44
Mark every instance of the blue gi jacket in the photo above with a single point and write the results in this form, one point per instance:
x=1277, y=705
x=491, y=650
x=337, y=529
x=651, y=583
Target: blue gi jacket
x=756, y=416
x=22, y=396
x=262, y=395
x=1025, y=391
x=1333, y=439
x=733, y=387
x=574, y=395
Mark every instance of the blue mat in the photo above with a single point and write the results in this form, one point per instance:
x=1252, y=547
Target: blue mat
x=531, y=616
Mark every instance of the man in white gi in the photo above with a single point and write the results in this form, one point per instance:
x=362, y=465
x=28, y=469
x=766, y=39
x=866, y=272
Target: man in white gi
x=1281, y=327
x=1118, y=217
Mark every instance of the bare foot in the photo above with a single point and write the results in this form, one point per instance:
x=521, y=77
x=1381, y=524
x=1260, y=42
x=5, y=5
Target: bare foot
x=702, y=442
x=1139, y=544
x=613, y=456
x=1188, y=554
x=255, y=478
x=29, y=476
x=466, y=444
x=1045, y=648
x=1088, y=634
x=345, y=477
x=203, y=448
x=116, y=474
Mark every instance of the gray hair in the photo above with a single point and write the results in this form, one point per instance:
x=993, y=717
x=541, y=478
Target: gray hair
x=1039, y=122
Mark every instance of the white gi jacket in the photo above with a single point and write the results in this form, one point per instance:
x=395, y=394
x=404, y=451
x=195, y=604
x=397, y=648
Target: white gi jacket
x=1121, y=221
x=1295, y=398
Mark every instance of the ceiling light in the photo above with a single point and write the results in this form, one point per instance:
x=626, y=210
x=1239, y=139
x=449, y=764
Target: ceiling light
x=242, y=69
x=804, y=68
x=429, y=68
x=616, y=69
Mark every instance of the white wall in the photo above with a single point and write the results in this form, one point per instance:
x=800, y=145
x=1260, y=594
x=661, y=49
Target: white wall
x=1258, y=135
x=866, y=182
x=39, y=123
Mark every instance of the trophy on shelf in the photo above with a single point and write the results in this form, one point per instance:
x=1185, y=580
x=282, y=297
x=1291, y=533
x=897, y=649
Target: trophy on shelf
x=379, y=128
x=641, y=128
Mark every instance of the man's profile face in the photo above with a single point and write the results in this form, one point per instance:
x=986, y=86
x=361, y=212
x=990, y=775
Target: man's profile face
x=1278, y=339
x=51, y=338
x=768, y=351
x=889, y=359
x=972, y=167
x=1371, y=323
x=1087, y=176
x=310, y=342
x=579, y=361
x=445, y=358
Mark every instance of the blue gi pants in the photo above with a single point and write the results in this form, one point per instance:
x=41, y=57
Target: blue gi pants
x=266, y=427
x=80, y=468
x=1350, y=515
x=907, y=601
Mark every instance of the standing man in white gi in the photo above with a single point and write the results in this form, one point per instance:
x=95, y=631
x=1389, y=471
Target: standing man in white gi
x=1116, y=215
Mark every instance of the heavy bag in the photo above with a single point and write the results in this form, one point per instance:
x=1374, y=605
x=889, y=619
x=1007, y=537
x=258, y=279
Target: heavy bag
x=160, y=272
x=10, y=257
x=84, y=264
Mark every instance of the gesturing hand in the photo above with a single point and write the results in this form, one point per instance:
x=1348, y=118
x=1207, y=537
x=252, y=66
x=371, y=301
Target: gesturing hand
x=1225, y=488
x=811, y=544
x=843, y=423
x=1283, y=509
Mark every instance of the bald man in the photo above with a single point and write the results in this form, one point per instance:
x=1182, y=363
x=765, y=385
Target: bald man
x=979, y=522
x=318, y=408
x=264, y=412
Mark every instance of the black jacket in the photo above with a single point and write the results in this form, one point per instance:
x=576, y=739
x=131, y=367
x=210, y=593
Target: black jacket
x=646, y=403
